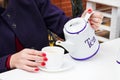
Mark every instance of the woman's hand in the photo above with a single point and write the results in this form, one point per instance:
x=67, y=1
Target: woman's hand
x=95, y=19
x=28, y=59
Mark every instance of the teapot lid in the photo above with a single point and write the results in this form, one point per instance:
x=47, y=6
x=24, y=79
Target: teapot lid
x=75, y=26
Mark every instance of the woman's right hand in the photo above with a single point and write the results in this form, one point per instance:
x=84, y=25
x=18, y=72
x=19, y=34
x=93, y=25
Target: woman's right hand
x=28, y=59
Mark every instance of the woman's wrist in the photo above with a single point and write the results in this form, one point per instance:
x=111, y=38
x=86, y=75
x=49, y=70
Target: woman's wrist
x=12, y=62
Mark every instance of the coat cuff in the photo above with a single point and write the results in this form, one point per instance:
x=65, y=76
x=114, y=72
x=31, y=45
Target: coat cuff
x=8, y=62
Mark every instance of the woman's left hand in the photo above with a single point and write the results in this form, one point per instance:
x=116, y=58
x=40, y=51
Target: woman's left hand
x=95, y=19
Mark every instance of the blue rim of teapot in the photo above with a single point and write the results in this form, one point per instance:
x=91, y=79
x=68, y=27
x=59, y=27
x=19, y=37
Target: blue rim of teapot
x=89, y=56
x=117, y=61
x=78, y=31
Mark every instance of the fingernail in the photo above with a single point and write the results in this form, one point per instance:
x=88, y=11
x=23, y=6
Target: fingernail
x=43, y=54
x=89, y=10
x=43, y=64
x=45, y=59
x=37, y=69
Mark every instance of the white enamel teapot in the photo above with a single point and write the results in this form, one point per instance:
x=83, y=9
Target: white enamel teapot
x=80, y=39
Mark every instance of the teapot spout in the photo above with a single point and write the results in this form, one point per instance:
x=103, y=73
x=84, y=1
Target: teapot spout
x=65, y=44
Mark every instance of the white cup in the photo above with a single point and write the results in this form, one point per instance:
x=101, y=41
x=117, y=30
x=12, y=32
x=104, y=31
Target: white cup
x=55, y=57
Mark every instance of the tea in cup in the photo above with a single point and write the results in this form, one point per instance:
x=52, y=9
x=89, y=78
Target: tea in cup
x=55, y=57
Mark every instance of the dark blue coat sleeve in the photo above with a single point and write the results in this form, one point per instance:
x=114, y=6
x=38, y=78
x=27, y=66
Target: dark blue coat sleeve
x=54, y=17
x=3, y=64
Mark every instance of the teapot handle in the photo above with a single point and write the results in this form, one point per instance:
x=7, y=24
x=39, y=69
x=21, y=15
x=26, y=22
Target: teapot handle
x=88, y=14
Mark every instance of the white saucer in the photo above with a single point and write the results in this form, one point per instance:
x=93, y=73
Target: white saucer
x=66, y=66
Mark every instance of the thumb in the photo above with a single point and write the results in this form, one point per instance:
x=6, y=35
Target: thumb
x=89, y=10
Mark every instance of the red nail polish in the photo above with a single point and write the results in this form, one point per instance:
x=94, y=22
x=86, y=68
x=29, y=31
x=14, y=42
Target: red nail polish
x=89, y=10
x=45, y=59
x=37, y=69
x=43, y=64
x=43, y=54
